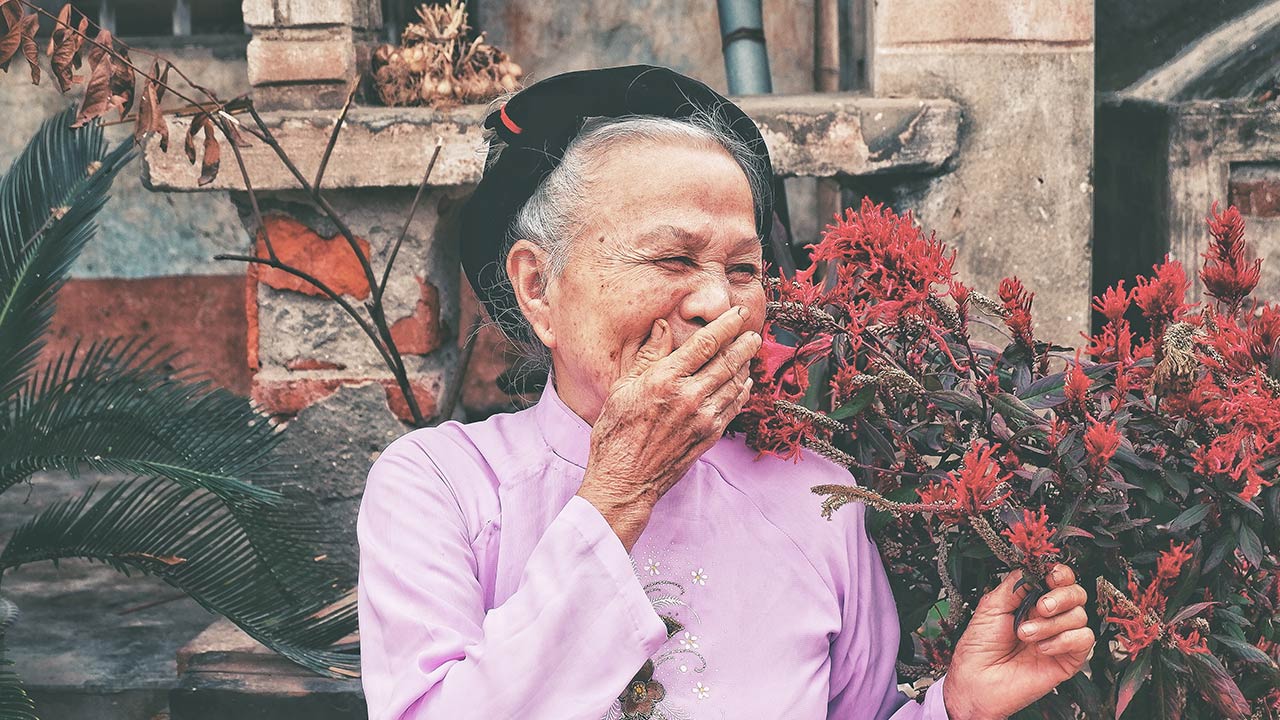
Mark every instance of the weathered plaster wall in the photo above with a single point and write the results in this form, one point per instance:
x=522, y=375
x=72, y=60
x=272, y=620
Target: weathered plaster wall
x=1019, y=199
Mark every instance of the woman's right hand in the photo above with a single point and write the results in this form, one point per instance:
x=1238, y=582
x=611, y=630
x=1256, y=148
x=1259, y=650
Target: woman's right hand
x=671, y=407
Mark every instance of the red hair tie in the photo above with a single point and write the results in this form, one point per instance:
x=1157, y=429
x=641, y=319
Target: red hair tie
x=506, y=120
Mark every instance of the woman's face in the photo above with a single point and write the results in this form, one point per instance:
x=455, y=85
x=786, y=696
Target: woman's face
x=671, y=235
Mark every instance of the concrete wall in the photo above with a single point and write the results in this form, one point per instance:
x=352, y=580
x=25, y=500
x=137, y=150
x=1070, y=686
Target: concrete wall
x=1019, y=199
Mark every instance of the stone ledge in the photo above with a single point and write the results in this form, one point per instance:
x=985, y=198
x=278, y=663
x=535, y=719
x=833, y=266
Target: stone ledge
x=829, y=135
x=224, y=673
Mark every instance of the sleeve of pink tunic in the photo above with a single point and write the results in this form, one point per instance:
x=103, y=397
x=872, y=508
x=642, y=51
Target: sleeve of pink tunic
x=561, y=646
x=864, y=654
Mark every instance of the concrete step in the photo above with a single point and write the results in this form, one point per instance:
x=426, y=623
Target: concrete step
x=224, y=674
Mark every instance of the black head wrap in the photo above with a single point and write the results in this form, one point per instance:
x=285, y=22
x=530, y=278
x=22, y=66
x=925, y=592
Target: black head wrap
x=539, y=122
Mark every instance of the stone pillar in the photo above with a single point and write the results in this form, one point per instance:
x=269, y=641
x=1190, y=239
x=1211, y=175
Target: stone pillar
x=306, y=54
x=1019, y=201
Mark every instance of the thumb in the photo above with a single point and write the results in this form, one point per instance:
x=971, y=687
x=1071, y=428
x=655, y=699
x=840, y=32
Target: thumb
x=1004, y=599
x=654, y=349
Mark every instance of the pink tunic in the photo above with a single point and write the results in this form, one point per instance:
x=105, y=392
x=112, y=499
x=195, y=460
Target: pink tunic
x=489, y=590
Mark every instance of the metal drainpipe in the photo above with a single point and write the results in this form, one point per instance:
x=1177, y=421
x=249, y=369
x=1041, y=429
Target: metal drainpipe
x=746, y=62
x=746, y=66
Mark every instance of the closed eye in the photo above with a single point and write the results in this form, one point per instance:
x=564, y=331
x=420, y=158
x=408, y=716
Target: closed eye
x=680, y=260
x=750, y=270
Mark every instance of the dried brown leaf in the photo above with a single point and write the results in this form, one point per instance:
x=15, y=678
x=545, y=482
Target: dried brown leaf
x=11, y=41
x=98, y=47
x=189, y=142
x=29, y=49
x=64, y=19
x=82, y=32
x=163, y=77
x=144, y=122
x=11, y=13
x=64, y=44
x=212, y=154
x=122, y=80
x=97, y=93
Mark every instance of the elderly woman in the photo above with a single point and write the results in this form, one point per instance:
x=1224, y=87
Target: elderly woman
x=609, y=552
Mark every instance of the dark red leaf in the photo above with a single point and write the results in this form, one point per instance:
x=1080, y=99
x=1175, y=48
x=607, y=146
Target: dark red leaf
x=97, y=94
x=1217, y=687
x=1132, y=681
x=212, y=152
x=82, y=32
x=122, y=80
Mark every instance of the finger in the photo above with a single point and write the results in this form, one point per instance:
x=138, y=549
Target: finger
x=1061, y=599
x=1046, y=628
x=1061, y=575
x=1077, y=643
x=707, y=341
x=1004, y=598
x=728, y=364
x=655, y=347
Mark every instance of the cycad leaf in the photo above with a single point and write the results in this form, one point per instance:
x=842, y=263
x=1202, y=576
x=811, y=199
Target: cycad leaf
x=48, y=200
x=14, y=701
x=191, y=540
x=119, y=408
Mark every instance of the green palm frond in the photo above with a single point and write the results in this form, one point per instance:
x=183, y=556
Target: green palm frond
x=14, y=701
x=48, y=200
x=190, y=539
x=119, y=408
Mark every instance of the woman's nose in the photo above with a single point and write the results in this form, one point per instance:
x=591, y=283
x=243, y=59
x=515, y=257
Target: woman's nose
x=707, y=300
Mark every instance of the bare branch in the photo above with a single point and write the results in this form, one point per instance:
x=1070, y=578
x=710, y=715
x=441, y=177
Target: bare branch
x=395, y=249
x=333, y=137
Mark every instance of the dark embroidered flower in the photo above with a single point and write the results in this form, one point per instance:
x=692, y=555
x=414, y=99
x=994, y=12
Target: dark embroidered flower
x=642, y=695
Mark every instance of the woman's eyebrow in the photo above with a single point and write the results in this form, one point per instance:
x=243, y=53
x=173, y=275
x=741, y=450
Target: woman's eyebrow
x=663, y=233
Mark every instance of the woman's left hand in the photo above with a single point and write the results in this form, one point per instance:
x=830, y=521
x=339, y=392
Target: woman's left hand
x=995, y=672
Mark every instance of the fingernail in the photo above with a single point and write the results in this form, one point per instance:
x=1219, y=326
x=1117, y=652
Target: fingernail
x=749, y=383
x=1056, y=574
x=1029, y=629
x=742, y=310
x=1050, y=604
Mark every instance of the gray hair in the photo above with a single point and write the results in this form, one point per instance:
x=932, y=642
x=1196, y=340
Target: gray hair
x=553, y=217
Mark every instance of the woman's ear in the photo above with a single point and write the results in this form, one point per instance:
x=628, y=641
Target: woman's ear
x=527, y=268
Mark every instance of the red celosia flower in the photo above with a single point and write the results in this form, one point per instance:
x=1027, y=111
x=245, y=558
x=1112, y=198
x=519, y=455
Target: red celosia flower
x=886, y=259
x=1113, y=303
x=1017, y=301
x=1189, y=644
x=1169, y=565
x=1162, y=296
x=971, y=489
x=1032, y=535
x=1077, y=387
x=1139, y=629
x=1101, y=441
x=1226, y=274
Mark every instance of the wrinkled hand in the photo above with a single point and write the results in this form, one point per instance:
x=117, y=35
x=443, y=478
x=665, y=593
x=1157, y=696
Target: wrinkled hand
x=994, y=673
x=668, y=409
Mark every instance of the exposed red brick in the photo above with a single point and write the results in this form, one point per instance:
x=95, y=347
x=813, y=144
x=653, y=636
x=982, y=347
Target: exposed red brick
x=300, y=363
x=203, y=317
x=291, y=396
x=419, y=333
x=288, y=397
x=426, y=393
x=251, y=317
x=1256, y=196
x=329, y=260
